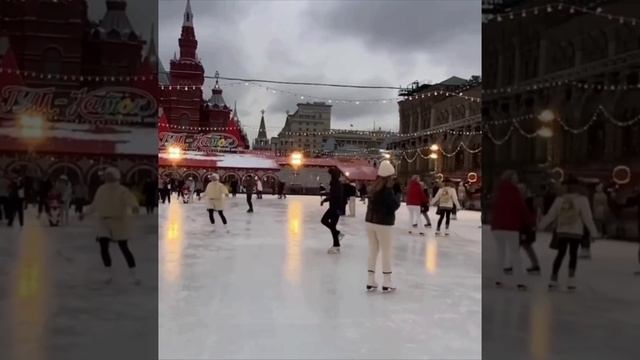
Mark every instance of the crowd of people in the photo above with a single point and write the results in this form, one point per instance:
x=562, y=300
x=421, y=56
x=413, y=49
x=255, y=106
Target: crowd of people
x=574, y=216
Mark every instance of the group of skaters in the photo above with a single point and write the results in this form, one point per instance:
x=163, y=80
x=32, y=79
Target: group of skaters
x=384, y=200
x=574, y=218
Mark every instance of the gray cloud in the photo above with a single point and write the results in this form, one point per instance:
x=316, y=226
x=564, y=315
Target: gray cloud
x=373, y=42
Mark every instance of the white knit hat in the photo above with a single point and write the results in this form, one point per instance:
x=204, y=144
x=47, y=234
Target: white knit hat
x=112, y=172
x=386, y=169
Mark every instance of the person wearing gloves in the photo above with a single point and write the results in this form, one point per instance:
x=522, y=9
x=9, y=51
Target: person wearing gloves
x=446, y=198
x=215, y=193
x=112, y=204
x=415, y=199
x=335, y=198
x=380, y=218
x=571, y=213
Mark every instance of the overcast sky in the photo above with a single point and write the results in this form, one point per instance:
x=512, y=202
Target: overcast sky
x=388, y=43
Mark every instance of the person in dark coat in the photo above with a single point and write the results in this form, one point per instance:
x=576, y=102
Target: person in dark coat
x=43, y=196
x=16, y=201
x=335, y=198
x=363, y=191
x=380, y=218
x=150, y=195
x=249, y=185
x=234, y=187
x=281, y=190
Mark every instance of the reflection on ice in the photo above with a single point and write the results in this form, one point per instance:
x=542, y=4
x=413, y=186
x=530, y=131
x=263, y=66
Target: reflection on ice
x=268, y=289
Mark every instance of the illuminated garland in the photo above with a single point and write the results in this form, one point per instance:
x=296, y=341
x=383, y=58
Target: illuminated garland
x=393, y=100
x=549, y=84
x=577, y=130
x=546, y=9
x=74, y=77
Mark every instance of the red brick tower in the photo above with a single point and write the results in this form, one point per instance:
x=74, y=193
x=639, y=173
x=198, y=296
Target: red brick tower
x=187, y=74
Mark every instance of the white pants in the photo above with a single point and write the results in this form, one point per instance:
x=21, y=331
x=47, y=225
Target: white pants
x=508, y=246
x=380, y=240
x=352, y=206
x=415, y=215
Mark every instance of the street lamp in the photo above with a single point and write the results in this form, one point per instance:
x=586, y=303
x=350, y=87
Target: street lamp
x=434, y=147
x=175, y=153
x=547, y=115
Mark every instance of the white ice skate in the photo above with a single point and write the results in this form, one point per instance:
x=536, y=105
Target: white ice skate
x=334, y=250
x=438, y=233
x=387, y=285
x=553, y=285
x=571, y=284
x=372, y=285
x=446, y=232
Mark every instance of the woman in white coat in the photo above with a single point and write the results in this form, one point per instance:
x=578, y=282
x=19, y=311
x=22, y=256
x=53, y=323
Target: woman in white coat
x=446, y=198
x=113, y=204
x=215, y=193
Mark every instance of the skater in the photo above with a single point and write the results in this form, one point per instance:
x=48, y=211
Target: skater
x=424, y=207
x=281, y=190
x=363, y=192
x=350, y=198
x=571, y=213
x=190, y=185
x=415, y=198
x=150, y=196
x=44, y=189
x=258, y=188
x=528, y=232
x=16, y=201
x=600, y=209
x=335, y=198
x=380, y=219
x=63, y=187
x=112, y=204
x=446, y=198
x=234, y=187
x=249, y=186
x=215, y=193
x=199, y=189
x=81, y=197
x=634, y=201
x=4, y=197
x=509, y=216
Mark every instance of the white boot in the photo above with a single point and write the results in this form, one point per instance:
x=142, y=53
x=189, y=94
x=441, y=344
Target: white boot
x=372, y=285
x=571, y=283
x=387, y=285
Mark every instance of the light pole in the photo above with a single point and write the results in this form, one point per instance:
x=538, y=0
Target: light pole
x=546, y=131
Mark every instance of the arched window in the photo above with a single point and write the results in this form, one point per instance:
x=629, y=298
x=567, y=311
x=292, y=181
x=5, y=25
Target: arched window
x=52, y=61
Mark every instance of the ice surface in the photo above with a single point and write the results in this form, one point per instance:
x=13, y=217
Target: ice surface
x=53, y=300
x=598, y=321
x=269, y=289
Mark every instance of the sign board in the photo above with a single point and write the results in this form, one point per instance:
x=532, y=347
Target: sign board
x=107, y=104
x=198, y=142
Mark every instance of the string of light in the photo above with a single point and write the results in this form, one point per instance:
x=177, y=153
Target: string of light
x=76, y=77
x=390, y=100
x=549, y=8
x=550, y=84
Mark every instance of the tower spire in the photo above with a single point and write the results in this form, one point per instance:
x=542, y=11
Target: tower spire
x=262, y=131
x=188, y=15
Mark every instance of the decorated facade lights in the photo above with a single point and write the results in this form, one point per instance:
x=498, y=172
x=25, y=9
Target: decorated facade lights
x=550, y=84
x=76, y=77
x=32, y=126
x=558, y=7
x=175, y=153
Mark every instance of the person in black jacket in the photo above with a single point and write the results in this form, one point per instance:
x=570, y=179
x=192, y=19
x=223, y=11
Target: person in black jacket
x=380, y=218
x=332, y=215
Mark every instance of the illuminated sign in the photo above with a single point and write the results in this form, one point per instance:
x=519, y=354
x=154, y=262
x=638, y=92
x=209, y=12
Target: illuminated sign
x=118, y=103
x=198, y=142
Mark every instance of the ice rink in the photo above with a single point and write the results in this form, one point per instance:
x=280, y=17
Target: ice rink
x=55, y=304
x=269, y=290
x=564, y=325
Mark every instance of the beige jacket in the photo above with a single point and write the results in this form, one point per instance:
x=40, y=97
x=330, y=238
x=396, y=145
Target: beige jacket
x=113, y=204
x=446, y=203
x=215, y=195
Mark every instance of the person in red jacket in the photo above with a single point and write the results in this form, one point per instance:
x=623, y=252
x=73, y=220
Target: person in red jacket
x=509, y=215
x=415, y=199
